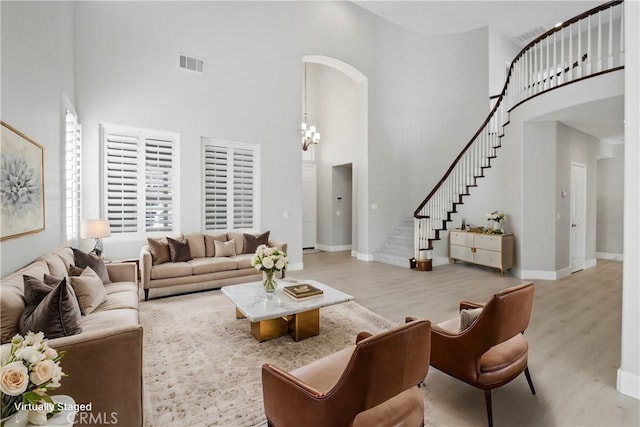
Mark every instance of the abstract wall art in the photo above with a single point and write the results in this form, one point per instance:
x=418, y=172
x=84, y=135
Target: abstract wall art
x=21, y=184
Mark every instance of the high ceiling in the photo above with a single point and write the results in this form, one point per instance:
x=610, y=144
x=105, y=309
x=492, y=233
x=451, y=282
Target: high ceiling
x=511, y=18
x=520, y=21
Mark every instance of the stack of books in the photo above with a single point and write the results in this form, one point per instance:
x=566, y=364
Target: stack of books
x=302, y=291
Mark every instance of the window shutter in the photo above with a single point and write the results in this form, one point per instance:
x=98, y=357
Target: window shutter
x=215, y=187
x=73, y=140
x=229, y=184
x=122, y=182
x=242, y=188
x=158, y=185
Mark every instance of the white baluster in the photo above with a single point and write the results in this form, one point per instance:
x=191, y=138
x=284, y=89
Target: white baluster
x=610, y=59
x=579, y=68
x=562, y=66
x=621, y=60
x=570, y=73
x=554, y=73
x=599, y=59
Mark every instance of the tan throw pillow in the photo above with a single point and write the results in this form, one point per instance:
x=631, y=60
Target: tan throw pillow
x=238, y=238
x=159, y=250
x=252, y=242
x=179, y=250
x=225, y=248
x=196, y=244
x=468, y=316
x=210, y=247
x=89, y=290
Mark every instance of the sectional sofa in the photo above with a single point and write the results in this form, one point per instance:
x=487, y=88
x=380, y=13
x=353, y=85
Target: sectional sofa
x=198, y=261
x=103, y=360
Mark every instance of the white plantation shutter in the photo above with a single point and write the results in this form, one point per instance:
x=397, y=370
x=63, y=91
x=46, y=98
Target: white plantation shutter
x=72, y=171
x=140, y=180
x=159, y=185
x=230, y=185
x=242, y=188
x=215, y=187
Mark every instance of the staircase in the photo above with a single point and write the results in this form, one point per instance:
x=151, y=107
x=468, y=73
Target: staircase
x=398, y=247
x=585, y=46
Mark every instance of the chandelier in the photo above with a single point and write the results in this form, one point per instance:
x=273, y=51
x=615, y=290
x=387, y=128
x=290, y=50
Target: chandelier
x=309, y=133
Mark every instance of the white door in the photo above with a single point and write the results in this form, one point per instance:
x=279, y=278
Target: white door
x=578, y=215
x=308, y=205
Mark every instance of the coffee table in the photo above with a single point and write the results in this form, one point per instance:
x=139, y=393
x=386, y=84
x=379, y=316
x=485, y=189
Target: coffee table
x=276, y=315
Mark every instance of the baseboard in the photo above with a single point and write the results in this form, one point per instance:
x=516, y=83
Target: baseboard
x=538, y=275
x=610, y=256
x=590, y=263
x=337, y=248
x=628, y=384
x=362, y=257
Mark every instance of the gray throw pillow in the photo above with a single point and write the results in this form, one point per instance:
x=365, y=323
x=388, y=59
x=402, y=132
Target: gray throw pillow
x=51, y=307
x=252, y=242
x=179, y=250
x=84, y=260
x=468, y=316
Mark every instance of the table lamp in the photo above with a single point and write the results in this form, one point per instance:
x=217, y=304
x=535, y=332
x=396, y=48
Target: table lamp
x=95, y=229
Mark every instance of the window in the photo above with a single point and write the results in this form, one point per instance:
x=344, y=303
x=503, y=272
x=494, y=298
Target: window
x=230, y=184
x=72, y=171
x=140, y=180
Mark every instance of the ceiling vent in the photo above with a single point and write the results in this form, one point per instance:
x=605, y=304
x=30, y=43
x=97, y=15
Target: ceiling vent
x=191, y=63
x=529, y=35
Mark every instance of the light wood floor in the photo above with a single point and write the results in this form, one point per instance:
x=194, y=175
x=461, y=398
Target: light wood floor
x=574, y=338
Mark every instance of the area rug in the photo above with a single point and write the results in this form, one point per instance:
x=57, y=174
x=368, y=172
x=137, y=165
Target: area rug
x=202, y=367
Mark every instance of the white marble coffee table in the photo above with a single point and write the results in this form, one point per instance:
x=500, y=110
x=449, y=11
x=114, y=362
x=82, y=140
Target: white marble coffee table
x=276, y=315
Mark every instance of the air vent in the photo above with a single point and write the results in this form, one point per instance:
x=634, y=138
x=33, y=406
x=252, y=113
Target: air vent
x=191, y=63
x=529, y=35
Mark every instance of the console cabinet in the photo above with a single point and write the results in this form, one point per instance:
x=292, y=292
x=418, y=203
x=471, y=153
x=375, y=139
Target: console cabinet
x=491, y=250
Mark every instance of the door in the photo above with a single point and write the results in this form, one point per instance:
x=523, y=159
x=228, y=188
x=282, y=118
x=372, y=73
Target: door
x=308, y=206
x=578, y=216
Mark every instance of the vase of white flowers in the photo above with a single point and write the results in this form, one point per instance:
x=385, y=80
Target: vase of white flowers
x=269, y=260
x=494, y=219
x=29, y=369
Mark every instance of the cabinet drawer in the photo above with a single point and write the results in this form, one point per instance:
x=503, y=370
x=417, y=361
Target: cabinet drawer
x=461, y=239
x=461, y=253
x=488, y=258
x=492, y=243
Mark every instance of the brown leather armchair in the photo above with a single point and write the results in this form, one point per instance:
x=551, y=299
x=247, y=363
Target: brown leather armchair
x=492, y=351
x=371, y=383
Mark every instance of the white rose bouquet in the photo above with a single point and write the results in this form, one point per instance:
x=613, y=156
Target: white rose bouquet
x=29, y=369
x=496, y=216
x=269, y=259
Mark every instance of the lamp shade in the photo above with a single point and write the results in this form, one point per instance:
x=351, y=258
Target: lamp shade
x=95, y=229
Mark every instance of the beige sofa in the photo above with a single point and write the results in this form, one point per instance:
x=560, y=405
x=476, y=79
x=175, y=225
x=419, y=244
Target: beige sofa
x=208, y=268
x=103, y=362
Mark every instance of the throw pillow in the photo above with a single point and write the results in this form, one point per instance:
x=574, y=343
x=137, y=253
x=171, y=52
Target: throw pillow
x=51, y=307
x=210, y=248
x=252, y=242
x=196, y=244
x=468, y=316
x=179, y=250
x=84, y=260
x=75, y=271
x=159, y=250
x=225, y=248
x=89, y=290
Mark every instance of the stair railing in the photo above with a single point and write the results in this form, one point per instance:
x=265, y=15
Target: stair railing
x=587, y=45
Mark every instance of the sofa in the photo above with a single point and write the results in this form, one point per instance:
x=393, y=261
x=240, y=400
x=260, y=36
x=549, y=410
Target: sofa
x=103, y=353
x=198, y=261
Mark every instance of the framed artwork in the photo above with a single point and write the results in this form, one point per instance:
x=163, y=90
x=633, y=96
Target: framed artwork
x=21, y=184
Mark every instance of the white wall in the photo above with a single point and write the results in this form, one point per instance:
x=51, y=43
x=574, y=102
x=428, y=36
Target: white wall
x=501, y=51
x=610, y=199
x=37, y=69
x=629, y=371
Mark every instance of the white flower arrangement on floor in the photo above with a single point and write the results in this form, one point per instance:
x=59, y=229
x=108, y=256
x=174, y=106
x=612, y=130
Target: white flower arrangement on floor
x=29, y=369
